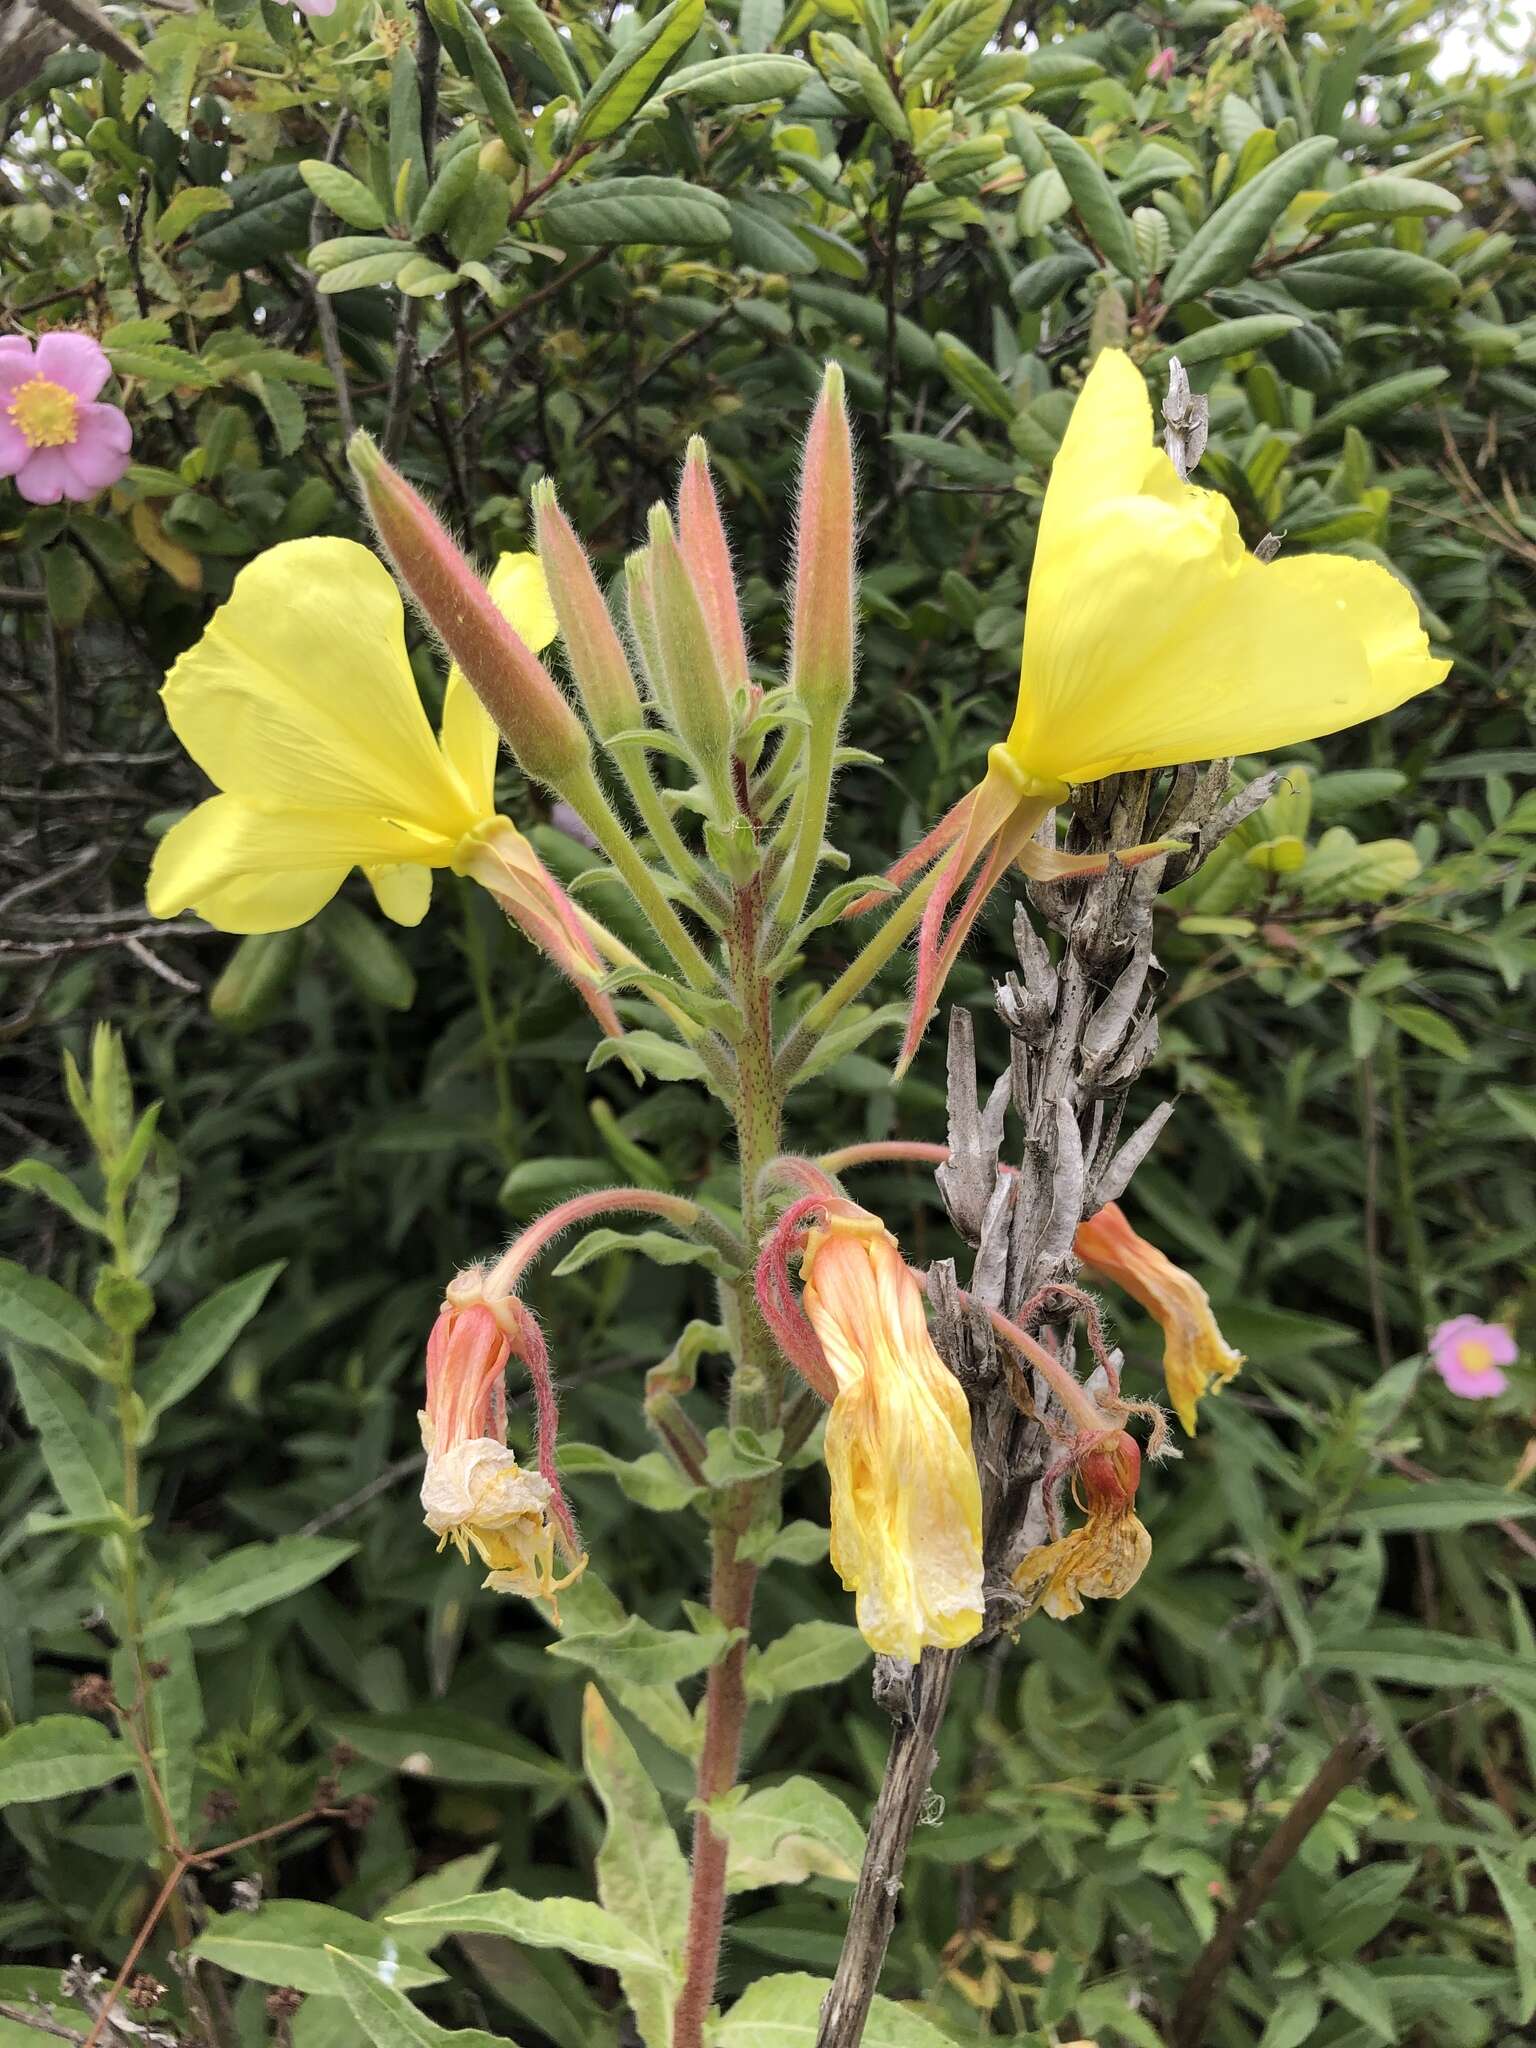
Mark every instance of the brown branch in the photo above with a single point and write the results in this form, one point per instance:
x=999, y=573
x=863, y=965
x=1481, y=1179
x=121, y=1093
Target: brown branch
x=1351, y=1756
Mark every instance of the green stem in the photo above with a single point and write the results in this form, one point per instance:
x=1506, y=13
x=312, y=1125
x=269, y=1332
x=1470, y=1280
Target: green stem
x=811, y=805
x=479, y=974
x=857, y=976
x=582, y=793
x=1414, y=1244
x=638, y=780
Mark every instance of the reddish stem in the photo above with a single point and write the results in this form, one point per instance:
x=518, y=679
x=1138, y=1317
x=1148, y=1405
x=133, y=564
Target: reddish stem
x=881, y=1150
x=520, y=1255
x=725, y=1712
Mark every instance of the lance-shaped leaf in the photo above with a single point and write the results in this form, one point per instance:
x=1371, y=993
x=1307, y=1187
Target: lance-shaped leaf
x=642, y=1876
x=60, y=1754
x=637, y=69
x=581, y=1929
x=387, y=2017
x=1222, y=249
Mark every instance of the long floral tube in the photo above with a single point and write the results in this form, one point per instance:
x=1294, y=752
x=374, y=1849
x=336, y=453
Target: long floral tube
x=502, y=1280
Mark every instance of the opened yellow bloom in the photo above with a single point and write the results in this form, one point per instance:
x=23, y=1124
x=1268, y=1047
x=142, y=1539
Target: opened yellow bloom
x=1153, y=637
x=300, y=704
x=1197, y=1359
x=1107, y=1554
x=906, y=1499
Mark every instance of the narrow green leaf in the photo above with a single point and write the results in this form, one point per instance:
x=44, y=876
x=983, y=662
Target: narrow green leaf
x=187, y=1357
x=581, y=1929
x=58, y=1755
x=248, y=1578
x=811, y=1653
x=646, y=210
x=387, y=2017
x=39, y=1311
x=442, y=1745
x=642, y=1874
x=289, y=1941
x=1097, y=206
x=76, y=1449
x=342, y=194
x=642, y=1655
x=637, y=69
x=785, y=2012
x=1222, y=249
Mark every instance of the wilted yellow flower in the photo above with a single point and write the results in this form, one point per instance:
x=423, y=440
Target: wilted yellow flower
x=475, y=1494
x=906, y=1499
x=1197, y=1359
x=300, y=704
x=1106, y=1555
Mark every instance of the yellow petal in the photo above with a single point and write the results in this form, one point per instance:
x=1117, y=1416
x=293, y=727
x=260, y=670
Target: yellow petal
x=1153, y=637
x=299, y=694
x=404, y=894
x=247, y=870
x=1101, y=1560
x=521, y=595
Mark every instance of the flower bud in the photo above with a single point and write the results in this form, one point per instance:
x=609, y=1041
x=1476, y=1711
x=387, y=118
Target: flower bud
x=597, y=661
x=707, y=552
x=502, y=861
x=821, y=651
x=544, y=733
x=696, y=695
x=640, y=601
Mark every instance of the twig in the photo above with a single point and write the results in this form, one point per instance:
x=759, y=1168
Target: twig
x=33, y=2017
x=1351, y=1756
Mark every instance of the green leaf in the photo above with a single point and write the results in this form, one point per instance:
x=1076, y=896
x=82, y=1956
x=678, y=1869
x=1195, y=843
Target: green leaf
x=975, y=379
x=387, y=2017
x=763, y=241
x=811, y=1653
x=1393, y=1506
x=1423, y=1657
x=367, y=270
x=248, y=1578
x=1377, y=401
x=290, y=1941
x=191, y=204
x=638, y=67
x=737, y=1453
x=448, y=1747
x=642, y=1874
x=187, y=1357
x=740, y=81
x=58, y=1755
x=651, y=1481
x=40, y=1312
x=652, y=1053
x=649, y=210
x=1370, y=277
x=1097, y=207
x=342, y=194
x=76, y=1449
x=785, y=2012
x=655, y=1245
x=1429, y=1028
x=37, y=1177
x=858, y=79
x=639, y=1654
x=1385, y=198
x=946, y=35
x=1512, y=1883
x=787, y=1833
x=1222, y=249
x=527, y=22
x=582, y=1930
x=1227, y=338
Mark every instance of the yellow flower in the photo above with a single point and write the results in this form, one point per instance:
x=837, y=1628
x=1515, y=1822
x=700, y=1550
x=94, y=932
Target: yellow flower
x=1105, y=1556
x=1197, y=1359
x=906, y=1499
x=1152, y=637
x=300, y=705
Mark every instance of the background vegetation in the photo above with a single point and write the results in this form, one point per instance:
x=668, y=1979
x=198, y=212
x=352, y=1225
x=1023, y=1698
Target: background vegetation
x=653, y=232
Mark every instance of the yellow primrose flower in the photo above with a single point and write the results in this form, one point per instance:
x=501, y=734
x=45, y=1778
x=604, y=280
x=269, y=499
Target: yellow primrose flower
x=1106, y=1555
x=300, y=704
x=1153, y=637
x=1197, y=1359
x=906, y=1499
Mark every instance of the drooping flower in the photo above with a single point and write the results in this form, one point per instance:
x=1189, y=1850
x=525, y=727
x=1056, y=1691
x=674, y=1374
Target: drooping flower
x=1467, y=1354
x=300, y=704
x=1153, y=637
x=56, y=437
x=1105, y=1556
x=906, y=1498
x=474, y=1493
x=1197, y=1359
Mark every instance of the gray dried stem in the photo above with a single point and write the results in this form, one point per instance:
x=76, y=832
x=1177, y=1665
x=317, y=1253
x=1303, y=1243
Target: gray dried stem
x=1082, y=1022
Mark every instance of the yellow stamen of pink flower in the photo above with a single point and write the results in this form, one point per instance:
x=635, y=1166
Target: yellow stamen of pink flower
x=45, y=414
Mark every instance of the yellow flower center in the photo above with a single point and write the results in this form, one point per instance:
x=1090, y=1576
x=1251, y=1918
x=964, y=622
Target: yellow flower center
x=45, y=413
x=1472, y=1356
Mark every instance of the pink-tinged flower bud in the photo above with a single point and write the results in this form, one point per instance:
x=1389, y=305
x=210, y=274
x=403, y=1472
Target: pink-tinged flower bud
x=1197, y=1359
x=544, y=733
x=1161, y=67
x=1103, y=1558
x=503, y=862
x=475, y=1494
x=707, y=552
x=695, y=692
x=640, y=601
x=597, y=661
x=821, y=650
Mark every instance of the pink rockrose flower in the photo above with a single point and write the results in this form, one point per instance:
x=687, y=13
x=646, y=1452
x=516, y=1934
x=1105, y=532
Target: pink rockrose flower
x=56, y=440
x=1467, y=1354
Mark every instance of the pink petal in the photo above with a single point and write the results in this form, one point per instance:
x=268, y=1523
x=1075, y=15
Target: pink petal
x=321, y=7
x=14, y=447
x=1446, y=1333
x=44, y=478
x=75, y=361
x=12, y=344
x=15, y=363
x=1502, y=1348
x=101, y=450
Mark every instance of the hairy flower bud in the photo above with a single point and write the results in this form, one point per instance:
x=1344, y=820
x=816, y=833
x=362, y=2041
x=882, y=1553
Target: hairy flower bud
x=597, y=661
x=821, y=653
x=707, y=552
x=544, y=733
x=695, y=692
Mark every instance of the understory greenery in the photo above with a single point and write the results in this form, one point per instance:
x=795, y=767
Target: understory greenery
x=514, y=241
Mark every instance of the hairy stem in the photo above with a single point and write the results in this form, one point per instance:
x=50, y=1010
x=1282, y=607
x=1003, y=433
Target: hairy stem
x=585, y=797
x=857, y=976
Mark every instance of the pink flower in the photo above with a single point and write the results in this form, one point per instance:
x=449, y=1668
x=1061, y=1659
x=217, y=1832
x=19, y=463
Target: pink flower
x=1467, y=1355
x=315, y=6
x=55, y=440
x=1160, y=69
